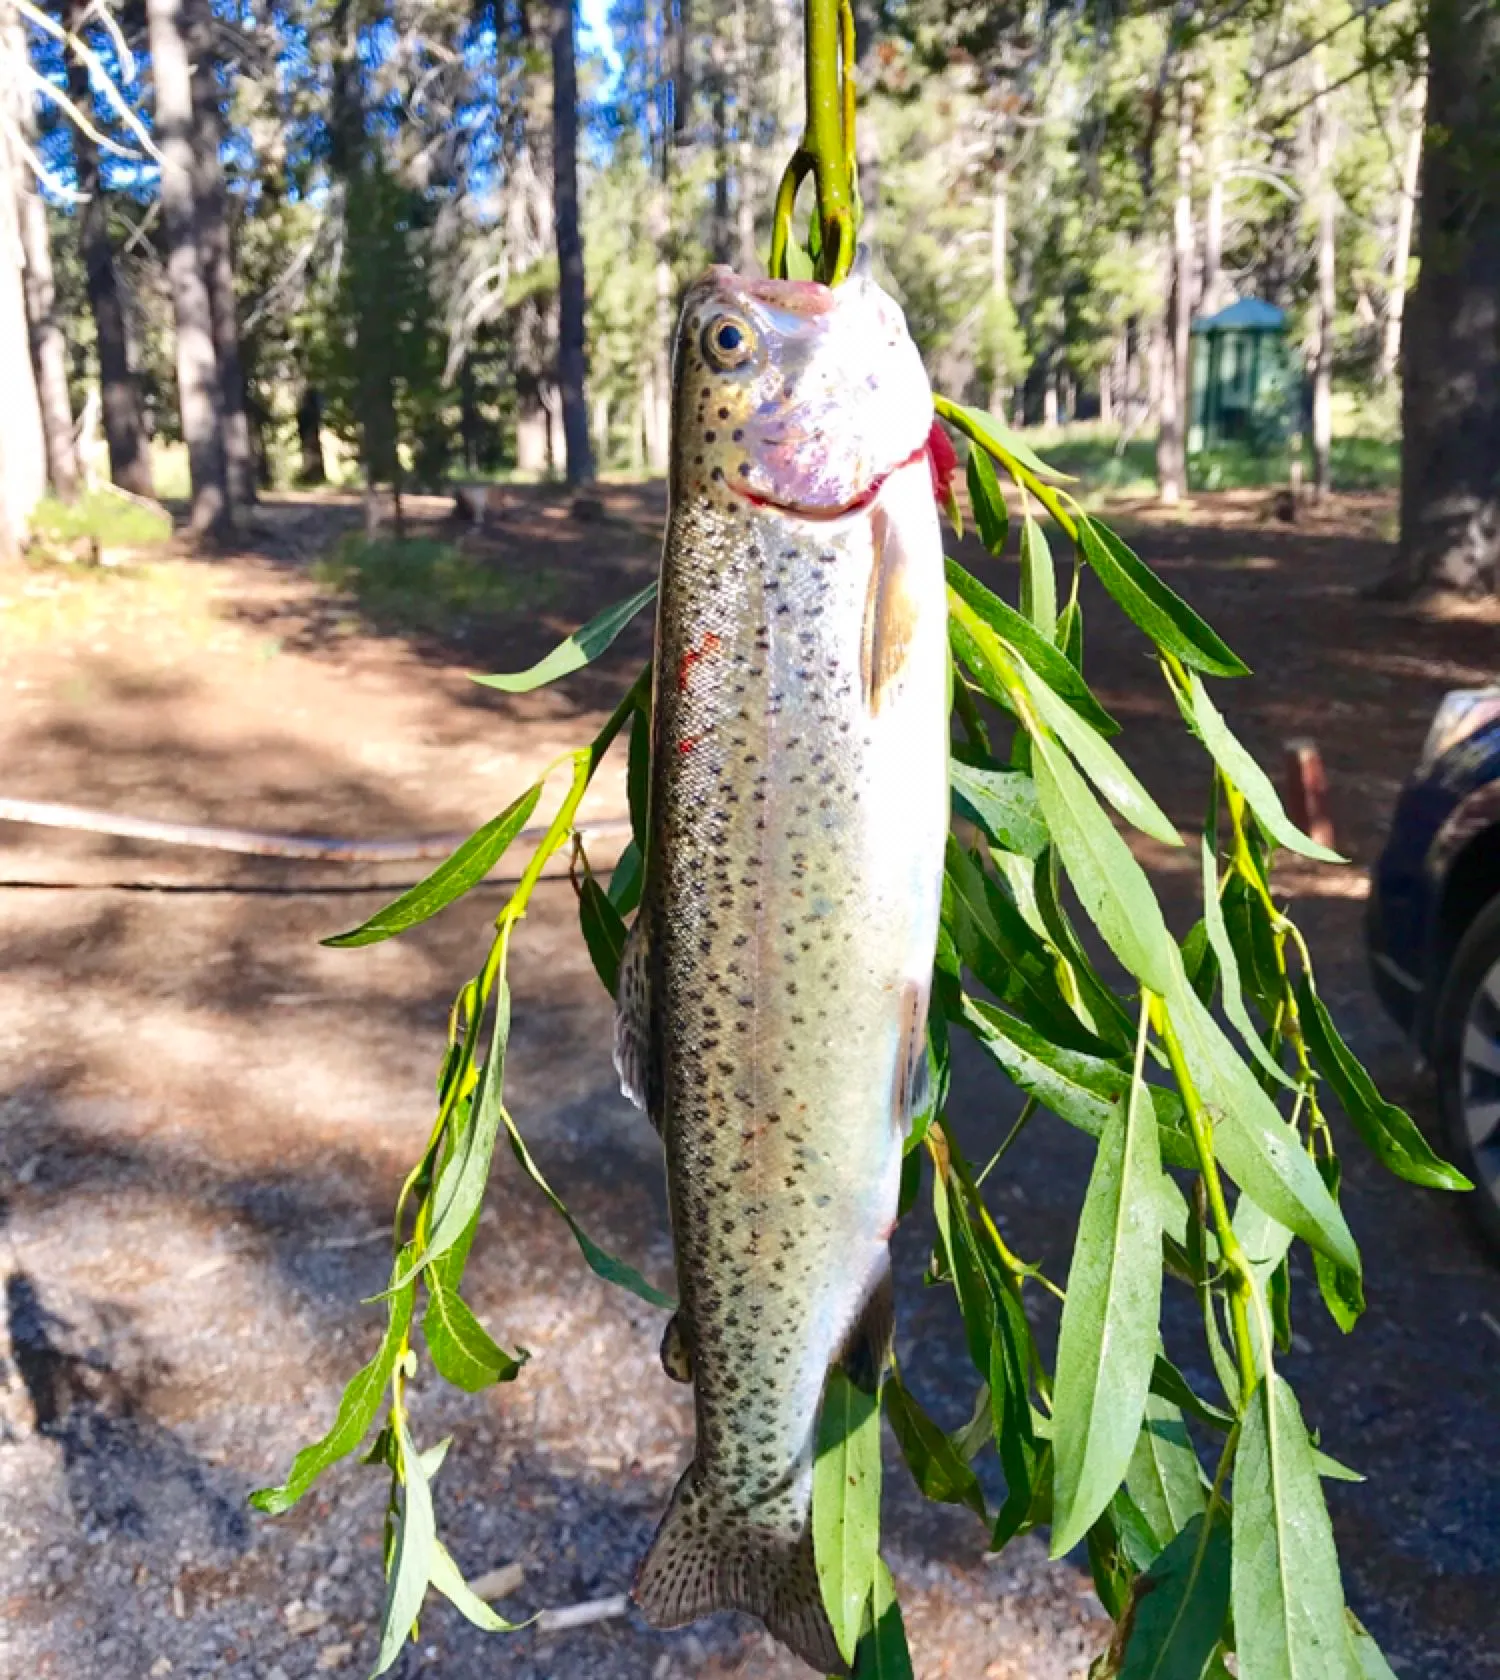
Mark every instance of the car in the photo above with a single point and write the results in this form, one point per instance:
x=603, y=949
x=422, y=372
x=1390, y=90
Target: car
x=1433, y=931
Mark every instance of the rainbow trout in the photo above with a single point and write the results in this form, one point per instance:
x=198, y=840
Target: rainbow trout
x=772, y=1004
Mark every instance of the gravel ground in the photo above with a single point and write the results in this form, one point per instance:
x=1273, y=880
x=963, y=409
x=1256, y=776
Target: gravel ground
x=204, y=1118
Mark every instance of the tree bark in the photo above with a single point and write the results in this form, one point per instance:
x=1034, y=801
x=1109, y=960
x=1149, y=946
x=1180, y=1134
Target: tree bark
x=311, y=469
x=1406, y=205
x=1327, y=297
x=199, y=399
x=48, y=352
x=23, y=452
x=744, y=147
x=49, y=355
x=720, y=242
x=572, y=300
x=1171, y=440
x=216, y=256
x=1450, y=463
x=120, y=399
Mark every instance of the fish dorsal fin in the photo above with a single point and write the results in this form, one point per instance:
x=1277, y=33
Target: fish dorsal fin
x=637, y=1061
x=913, y=1083
x=890, y=613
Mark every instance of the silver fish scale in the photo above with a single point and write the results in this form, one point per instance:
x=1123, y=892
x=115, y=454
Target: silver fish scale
x=777, y=956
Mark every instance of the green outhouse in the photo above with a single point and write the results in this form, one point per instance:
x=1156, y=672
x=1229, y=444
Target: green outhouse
x=1246, y=377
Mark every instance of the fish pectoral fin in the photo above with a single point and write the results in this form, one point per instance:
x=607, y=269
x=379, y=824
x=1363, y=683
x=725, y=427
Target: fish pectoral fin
x=709, y=1557
x=636, y=1059
x=867, y=1347
x=676, y=1360
x=890, y=613
x=913, y=1087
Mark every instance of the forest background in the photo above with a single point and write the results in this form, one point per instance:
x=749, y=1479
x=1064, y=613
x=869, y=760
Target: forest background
x=407, y=243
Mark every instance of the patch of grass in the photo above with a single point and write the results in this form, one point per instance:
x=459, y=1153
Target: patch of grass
x=160, y=601
x=424, y=584
x=1358, y=462
x=112, y=521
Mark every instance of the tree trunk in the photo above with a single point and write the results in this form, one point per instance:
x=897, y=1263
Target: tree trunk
x=1171, y=441
x=216, y=256
x=1327, y=298
x=572, y=302
x=1213, y=240
x=1450, y=463
x=120, y=399
x=311, y=469
x=23, y=451
x=744, y=162
x=198, y=393
x=1406, y=204
x=720, y=242
x=48, y=352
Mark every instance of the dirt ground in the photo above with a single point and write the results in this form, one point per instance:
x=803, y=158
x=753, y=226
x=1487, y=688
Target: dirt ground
x=204, y=1117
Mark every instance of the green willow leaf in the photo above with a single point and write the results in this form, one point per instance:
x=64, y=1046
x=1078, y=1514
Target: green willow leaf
x=1165, y=617
x=1110, y=884
x=1388, y=1132
x=988, y=617
x=1085, y=1090
x=991, y=516
x=600, y=1261
x=1369, y=1658
x=936, y=1465
x=448, y=1578
x=580, y=649
x=1245, y=774
x=1288, y=1600
x=412, y=1559
x=638, y=773
x=461, y=1183
x=1169, y=1384
x=1004, y=444
x=1343, y=1292
x=1262, y=1153
x=1000, y=947
x=1228, y=965
x=1099, y=761
x=451, y=879
x=357, y=1407
x=1180, y=1605
x=846, y=1505
x=1107, y=1344
x=883, y=1653
x=1001, y=802
x=461, y=1348
x=626, y=880
x=1070, y=633
x=604, y=932
x=1164, y=1476
x=1038, y=579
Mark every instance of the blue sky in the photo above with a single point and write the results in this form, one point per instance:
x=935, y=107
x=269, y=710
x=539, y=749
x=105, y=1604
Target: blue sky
x=596, y=34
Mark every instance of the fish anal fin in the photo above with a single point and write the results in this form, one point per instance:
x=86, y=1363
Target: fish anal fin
x=708, y=1557
x=867, y=1347
x=912, y=1090
x=676, y=1358
x=890, y=614
x=636, y=1056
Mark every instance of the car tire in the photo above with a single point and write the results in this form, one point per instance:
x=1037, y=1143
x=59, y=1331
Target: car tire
x=1466, y=1056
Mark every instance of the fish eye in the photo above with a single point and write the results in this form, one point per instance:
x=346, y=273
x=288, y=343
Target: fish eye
x=728, y=342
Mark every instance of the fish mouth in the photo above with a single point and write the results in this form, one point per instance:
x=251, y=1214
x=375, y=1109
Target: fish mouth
x=823, y=515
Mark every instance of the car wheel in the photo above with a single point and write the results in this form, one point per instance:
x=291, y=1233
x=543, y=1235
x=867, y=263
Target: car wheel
x=1466, y=1044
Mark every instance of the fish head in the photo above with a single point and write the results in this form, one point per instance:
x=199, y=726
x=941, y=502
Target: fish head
x=795, y=395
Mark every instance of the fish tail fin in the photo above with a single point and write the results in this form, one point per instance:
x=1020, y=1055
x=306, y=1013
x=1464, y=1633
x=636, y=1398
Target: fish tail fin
x=705, y=1558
